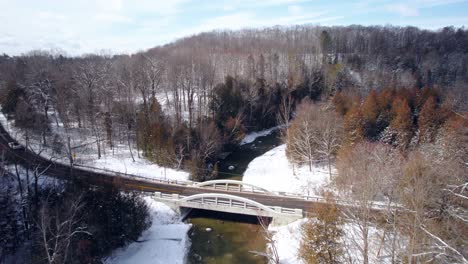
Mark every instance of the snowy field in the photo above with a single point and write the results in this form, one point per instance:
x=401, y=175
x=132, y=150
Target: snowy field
x=166, y=241
x=274, y=172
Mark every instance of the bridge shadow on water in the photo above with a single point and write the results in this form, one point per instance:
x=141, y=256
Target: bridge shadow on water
x=218, y=237
x=193, y=213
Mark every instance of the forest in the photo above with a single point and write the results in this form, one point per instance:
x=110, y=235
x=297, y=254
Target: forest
x=391, y=100
x=184, y=103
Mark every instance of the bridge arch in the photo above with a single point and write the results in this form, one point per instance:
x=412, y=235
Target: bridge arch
x=232, y=185
x=223, y=198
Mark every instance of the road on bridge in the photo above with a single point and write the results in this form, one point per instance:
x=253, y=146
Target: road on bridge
x=28, y=158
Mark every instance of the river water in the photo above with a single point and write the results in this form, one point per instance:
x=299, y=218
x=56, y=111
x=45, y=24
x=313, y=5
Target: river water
x=229, y=238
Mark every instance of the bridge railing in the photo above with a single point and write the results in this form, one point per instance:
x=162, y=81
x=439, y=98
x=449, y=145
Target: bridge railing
x=377, y=205
x=132, y=176
x=228, y=201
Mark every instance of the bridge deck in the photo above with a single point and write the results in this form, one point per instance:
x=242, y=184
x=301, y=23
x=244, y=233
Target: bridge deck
x=135, y=183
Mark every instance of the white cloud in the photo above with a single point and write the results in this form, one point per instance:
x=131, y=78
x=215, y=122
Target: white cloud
x=403, y=9
x=110, y=5
x=294, y=9
x=123, y=25
x=112, y=18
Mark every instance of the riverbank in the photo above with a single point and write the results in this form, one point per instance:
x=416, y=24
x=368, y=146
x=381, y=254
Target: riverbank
x=166, y=241
x=274, y=172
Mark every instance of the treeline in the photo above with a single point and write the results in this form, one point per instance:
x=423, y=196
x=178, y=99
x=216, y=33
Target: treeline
x=183, y=103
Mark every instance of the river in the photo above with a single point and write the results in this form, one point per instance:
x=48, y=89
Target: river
x=228, y=238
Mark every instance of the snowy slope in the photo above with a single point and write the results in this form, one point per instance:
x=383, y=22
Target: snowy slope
x=117, y=159
x=166, y=241
x=273, y=172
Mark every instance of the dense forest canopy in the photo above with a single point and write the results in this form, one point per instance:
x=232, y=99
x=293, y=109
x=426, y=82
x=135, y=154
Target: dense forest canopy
x=166, y=100
x=391, y=100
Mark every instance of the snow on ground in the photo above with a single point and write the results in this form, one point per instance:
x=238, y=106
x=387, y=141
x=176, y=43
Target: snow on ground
x=274, y=172
x=117, y=159
x=123, y=163
x=288, y=239
x=42, y=180
x=250, y=137
x=166, y=240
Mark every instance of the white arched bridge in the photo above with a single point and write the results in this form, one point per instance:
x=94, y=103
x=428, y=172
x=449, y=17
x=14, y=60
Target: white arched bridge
x=232, y=185
x=229, y=204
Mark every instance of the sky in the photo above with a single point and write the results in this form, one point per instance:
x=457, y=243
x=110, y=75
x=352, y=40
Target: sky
x=77, y=27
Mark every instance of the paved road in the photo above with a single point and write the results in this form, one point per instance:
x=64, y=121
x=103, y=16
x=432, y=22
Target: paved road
x=28, y=158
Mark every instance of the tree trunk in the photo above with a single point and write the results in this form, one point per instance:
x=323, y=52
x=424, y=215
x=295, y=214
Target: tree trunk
x=98, y=148
x=365, y=251
x=129, y=146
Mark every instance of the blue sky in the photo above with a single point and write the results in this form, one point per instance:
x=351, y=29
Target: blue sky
x=84, y=26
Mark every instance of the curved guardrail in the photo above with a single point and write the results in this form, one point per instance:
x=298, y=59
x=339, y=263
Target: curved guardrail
x=232, y=185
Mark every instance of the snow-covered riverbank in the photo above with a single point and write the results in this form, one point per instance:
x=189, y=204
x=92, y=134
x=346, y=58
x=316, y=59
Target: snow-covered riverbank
x=166, y=241
x=274, y=172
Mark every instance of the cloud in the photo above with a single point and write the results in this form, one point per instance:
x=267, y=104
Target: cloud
x=413, y=8
x=112, y=18
x=403, y=9
x=86, y=26
x=110, y=5
x=294, y=9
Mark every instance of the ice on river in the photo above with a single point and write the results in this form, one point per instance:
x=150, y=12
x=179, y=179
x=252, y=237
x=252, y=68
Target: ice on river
x=166, y=241
x=250, y=137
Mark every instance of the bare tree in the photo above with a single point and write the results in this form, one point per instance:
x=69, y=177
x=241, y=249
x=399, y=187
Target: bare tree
x=271, y=253
x=285, y=113
x=363, y=172
x=90, y=74
x=328, y=137
x=314, y=135
x=58, y=226
x=300, y=142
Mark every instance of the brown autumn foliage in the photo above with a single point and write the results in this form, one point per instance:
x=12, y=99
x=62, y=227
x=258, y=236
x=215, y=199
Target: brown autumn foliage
x=405, y=112
x=321, y=236
x=342, y=103
x=353, y=124
x=401, y=122
x=428, y=121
